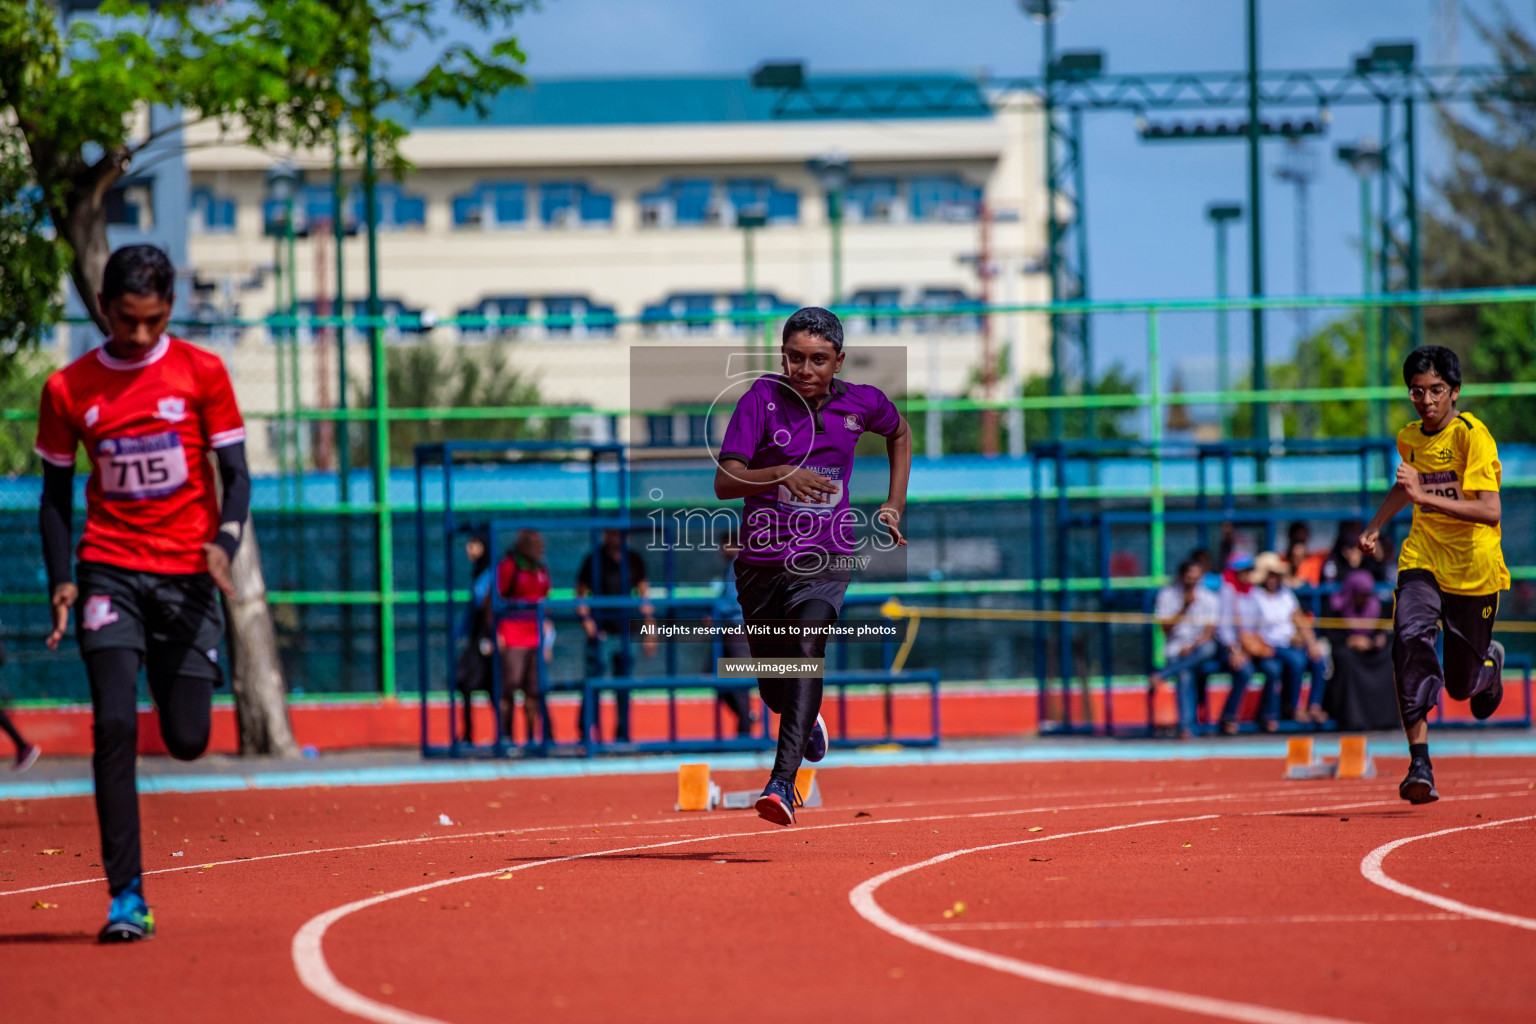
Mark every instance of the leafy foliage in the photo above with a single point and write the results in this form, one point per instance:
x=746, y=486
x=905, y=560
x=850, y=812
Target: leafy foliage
x=1482, y=234
x=276, y=73
x=426, y=376
x=32, y=266
x=962, y=429
x=21, y=381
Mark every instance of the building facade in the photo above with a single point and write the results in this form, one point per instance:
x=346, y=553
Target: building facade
x=609, y=207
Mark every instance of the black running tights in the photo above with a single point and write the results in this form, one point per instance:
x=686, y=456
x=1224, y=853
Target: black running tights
x=185, y=704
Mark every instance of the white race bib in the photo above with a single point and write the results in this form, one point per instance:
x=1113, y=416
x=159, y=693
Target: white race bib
x=787, y=498
x=136, y=468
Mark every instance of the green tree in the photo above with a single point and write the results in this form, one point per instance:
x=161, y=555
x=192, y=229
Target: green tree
x=31, y=264
x=21, y=381
x=426, y=376
x=962, y=429
x=278, y=73
x=1482, y=233
x=274, y=73
x=1333, y=357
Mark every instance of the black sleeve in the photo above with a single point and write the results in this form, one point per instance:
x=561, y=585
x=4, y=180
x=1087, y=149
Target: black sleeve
x=54, y=521
x=237, y=497
x=584, y=574
x=636, y=568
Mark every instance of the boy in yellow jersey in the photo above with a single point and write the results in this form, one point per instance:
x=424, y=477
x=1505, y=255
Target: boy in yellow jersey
x=1451, y=567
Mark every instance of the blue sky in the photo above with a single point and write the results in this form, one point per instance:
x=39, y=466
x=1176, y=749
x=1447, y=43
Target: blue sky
x=1148, y=235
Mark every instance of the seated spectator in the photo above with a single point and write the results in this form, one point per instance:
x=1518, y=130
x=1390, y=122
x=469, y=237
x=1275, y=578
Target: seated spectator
x=1361, y=694
x=1275, y=633
x=1187, y=613
x=1210, y=578
x=1303, y=568
x=1346, y=555
x=522, y=576
x=1230, y=657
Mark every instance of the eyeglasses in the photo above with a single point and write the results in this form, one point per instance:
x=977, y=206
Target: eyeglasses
x=1434, y=391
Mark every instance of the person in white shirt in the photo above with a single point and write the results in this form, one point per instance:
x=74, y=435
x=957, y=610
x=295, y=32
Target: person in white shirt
x=1273, y=631
x=1187, y=613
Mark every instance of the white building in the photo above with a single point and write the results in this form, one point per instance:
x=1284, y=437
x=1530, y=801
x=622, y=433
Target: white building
x=617, y=198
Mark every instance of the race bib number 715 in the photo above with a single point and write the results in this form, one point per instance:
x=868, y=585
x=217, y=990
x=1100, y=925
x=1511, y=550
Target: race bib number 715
x=136, y=468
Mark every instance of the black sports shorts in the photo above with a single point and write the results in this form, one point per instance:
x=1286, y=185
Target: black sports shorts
x=175, y=621
x=1419, y=610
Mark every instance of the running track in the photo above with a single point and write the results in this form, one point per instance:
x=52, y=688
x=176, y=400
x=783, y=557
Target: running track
x=1204, y=890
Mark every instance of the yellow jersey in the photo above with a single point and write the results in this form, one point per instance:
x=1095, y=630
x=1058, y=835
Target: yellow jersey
x=1461, y=457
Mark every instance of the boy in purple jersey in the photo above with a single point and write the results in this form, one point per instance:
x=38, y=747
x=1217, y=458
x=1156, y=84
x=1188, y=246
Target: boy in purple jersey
x=788, y=452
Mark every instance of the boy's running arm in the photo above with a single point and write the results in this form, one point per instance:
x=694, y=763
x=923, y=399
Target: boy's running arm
x=1396, y=500
x=898, y=448
x=734, y=480
x=54, y=517
x=220, y=552
x=1482, y=507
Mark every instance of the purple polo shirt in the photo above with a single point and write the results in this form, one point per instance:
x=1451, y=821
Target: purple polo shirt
x=773, y=426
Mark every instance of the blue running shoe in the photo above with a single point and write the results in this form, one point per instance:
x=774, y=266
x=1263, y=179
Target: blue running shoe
x=129, y=919
x=778, y=802
x=816, y=742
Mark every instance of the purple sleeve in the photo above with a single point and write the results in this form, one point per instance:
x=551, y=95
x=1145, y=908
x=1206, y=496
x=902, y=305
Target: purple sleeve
x=883, y=417
x=745, y=431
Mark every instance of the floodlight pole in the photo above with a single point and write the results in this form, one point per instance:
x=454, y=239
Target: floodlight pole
x=749, y=220
x=1053, y=226
x=1222, y=215
x=1256, y=242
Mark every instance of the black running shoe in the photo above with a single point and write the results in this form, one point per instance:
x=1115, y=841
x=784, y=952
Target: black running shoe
x=777, y=804
x=1484, y=704
x=1419, y=785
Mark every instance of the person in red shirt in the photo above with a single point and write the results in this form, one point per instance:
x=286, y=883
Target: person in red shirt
x=157, y=546
x=521, y=576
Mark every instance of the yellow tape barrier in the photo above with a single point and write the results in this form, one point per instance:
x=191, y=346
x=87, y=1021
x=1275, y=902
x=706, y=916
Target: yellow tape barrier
x=894, y=609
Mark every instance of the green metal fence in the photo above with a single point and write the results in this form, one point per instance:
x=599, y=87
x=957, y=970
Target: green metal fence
x=340, y=557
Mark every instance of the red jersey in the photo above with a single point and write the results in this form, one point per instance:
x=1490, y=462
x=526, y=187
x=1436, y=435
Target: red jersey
x=520, y=583
x=147, y=426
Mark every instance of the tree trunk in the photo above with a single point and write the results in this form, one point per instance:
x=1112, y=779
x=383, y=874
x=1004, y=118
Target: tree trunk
x=84, y=227
x=261, y=707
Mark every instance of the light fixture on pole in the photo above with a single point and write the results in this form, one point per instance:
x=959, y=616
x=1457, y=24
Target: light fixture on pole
x=1222, y=215
x=1365, y=159
x=832, y=172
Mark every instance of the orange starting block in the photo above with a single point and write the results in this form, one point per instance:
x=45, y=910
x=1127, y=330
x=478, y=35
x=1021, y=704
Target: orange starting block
x=1354, y=762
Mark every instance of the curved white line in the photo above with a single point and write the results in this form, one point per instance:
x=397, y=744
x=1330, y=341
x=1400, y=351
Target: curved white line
x=1203, y=797
x=863, y=899
x=1371, y=868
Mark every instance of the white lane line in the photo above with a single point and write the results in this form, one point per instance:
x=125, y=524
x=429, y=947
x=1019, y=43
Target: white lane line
x=1189, y=922
x=505, y=832
x=1371, y=868
x=864, y=903
x=316, y=975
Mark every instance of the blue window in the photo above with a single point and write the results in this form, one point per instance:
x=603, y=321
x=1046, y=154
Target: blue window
x=493, y=309
x=396, y=208
x=569, y=203
x=667, y=316
x=492, y=204
x=767, y=302
x=659, y=427
x=873, y=299
x=212, y=214
x=678, y=201
x=950, y=299
x=943, y=197
x=872, y=200
x=781, y=206
x=574, y=315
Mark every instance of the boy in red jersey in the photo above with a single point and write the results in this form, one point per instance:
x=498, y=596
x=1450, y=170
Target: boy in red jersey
x=148, y=408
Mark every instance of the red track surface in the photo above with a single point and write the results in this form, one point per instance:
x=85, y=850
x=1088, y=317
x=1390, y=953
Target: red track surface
x=1257, y=906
